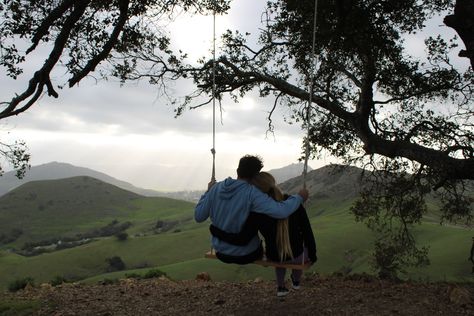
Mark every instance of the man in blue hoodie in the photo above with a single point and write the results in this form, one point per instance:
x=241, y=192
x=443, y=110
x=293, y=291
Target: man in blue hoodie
x=228, y=204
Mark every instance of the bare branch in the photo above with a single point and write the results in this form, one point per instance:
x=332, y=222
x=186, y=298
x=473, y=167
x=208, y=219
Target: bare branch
x=271, y=128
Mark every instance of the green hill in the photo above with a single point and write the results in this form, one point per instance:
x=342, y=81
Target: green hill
x=48, y=209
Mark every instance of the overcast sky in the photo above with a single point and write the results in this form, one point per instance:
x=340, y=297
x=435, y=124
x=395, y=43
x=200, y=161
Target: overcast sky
x=131, y=134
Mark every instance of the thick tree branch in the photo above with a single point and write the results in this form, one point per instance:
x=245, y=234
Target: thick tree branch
x=283, y=86
x=451, y=168
x=462, y=21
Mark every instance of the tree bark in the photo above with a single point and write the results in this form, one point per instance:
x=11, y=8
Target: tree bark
x=462, y=21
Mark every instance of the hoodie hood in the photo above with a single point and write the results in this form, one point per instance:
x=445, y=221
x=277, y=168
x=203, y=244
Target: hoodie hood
x=230, y=187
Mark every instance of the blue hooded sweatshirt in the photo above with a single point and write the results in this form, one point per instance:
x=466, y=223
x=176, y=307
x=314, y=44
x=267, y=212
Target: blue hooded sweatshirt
x=228, y=204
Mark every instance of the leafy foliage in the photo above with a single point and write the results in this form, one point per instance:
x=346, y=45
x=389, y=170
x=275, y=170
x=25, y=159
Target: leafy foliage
x=390, y=207
x=153, y=273
x=17, y=156
x=370, y=97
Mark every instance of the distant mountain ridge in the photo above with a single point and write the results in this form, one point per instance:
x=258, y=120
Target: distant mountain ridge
x=288, y=172
x=60, y=170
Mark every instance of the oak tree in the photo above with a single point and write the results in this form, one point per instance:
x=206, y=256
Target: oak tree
x=408, y=118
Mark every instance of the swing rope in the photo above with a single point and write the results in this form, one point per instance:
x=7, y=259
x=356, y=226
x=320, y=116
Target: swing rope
x=213, y=149
x=311, y=91
x=308, y=108
x=211, y=254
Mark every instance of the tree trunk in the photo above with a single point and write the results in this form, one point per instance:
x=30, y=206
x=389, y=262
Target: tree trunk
x=462, y=21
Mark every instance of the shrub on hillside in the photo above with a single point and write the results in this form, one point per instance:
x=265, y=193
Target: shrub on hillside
x=133, y=275
x=6, y=238
x=108, y=281
x=58, y=280
x=154, y=273
x=162, y=226
x=20, y=284
x=115, y=264
x=110, y=229
x=121, y=236
x=39, y=247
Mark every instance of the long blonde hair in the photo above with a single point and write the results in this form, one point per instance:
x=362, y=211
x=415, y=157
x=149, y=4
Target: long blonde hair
x=267, y=184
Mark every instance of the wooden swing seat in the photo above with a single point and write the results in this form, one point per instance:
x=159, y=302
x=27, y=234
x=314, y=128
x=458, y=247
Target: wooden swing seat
x=267, y=263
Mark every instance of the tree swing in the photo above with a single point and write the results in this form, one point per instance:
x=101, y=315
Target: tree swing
x=264, y=262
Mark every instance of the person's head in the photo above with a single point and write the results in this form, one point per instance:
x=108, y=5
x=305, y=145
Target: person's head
x=267, y=184
x=249, y=167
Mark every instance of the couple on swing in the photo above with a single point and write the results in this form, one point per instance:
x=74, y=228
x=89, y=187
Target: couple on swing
x=239, y=208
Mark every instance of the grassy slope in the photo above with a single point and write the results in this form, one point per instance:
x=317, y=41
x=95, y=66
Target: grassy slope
x=66, y=207
x=61, y=207
x=180, y=254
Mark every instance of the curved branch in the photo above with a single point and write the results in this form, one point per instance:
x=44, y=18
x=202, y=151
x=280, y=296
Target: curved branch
x=285, y=87
x=271, y=128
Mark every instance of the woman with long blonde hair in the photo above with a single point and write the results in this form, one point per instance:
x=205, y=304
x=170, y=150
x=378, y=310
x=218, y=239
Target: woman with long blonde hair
x=288, y=240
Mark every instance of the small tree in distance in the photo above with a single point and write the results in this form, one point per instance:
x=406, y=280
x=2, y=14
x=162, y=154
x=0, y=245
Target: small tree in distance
x=121, y=236
x=115, y=264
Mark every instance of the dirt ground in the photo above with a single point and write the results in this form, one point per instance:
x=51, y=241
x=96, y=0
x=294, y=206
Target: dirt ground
x=357, y=295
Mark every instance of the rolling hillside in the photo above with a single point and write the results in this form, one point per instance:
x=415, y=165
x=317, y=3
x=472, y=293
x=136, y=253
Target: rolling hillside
x=163, y=234
x=328, y=182
x=67, y=207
